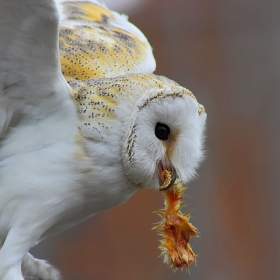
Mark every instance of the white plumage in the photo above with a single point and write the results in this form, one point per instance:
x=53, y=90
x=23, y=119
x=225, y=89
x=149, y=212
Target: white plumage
x=68, y=152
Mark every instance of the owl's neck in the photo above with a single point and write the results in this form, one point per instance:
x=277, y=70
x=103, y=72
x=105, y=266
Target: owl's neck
x=102, y=174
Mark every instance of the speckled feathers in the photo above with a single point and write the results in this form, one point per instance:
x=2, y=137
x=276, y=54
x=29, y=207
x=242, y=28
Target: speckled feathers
x=96, y=42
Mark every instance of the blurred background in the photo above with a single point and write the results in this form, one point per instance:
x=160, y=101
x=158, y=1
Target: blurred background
x=228, y=54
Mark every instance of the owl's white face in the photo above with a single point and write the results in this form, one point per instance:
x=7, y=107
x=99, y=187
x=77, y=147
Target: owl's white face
x=166, y=133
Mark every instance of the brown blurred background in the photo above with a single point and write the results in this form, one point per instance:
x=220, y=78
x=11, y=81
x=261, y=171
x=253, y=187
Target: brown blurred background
x=228, y=53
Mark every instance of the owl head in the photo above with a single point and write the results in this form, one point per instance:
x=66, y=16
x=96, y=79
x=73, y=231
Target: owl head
x=144, y=123
x=164, y=130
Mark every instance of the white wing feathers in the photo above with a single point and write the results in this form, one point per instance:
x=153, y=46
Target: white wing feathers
x=29, y=61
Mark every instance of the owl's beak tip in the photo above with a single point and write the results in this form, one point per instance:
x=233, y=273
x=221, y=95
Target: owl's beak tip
x=167, y=174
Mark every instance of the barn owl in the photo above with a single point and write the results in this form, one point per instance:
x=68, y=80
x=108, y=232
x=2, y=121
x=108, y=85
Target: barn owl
x=83, y=123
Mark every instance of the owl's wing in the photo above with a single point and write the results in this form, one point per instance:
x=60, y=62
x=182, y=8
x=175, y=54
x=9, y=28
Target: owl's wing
x=31, y=82
x=98, y=43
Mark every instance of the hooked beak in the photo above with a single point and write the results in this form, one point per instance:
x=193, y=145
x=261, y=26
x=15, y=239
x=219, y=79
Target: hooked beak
x=166, y=164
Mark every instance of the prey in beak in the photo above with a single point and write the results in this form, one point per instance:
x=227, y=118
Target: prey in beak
x=174, y=228
x=167, y=174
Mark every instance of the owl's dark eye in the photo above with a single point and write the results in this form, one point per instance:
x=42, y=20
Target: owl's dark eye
x=162, y=131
